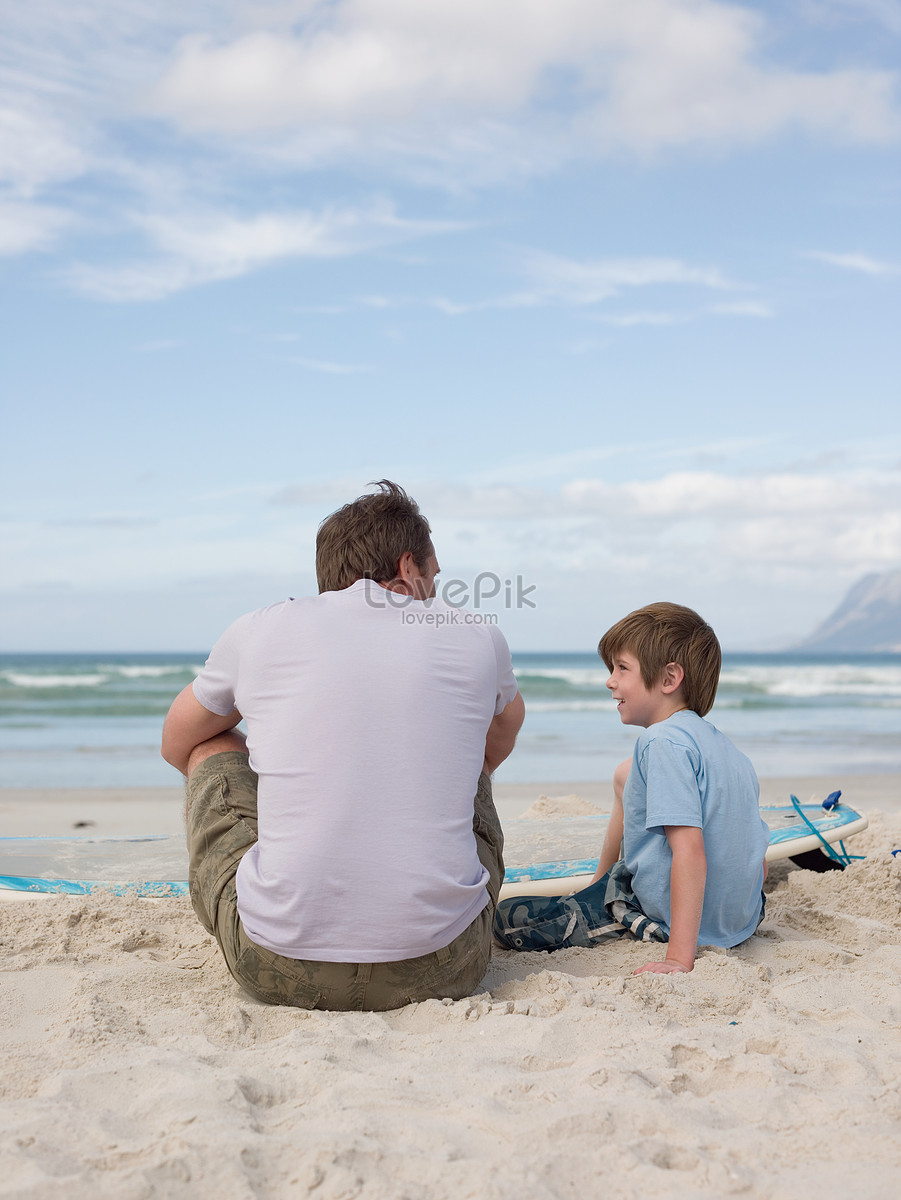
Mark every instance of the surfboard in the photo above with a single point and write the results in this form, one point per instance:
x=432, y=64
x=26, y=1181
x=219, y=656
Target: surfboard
x=145, y=865
x=795, y=829
x=543, y=856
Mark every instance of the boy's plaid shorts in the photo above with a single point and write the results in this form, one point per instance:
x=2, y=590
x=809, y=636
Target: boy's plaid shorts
x=604, y=910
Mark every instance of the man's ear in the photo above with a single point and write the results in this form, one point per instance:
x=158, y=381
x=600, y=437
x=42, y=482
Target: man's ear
x=673, y=675
x=404, y=575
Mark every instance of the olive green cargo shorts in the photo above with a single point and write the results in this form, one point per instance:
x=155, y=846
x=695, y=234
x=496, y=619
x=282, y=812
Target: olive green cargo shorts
x=222, y=826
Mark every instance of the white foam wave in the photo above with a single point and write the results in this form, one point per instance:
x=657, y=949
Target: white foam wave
x=571, y=706
x=577, y=676
x=801, y=681
x=807, y=681
x=148, y=672
x=54, y=681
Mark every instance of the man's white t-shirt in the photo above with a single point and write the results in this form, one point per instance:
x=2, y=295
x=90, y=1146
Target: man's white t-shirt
x=366, y=715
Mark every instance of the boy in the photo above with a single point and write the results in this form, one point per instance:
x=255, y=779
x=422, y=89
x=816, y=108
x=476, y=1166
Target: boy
x=686, y=813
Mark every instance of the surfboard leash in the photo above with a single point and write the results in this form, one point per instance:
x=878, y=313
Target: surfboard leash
x=843, y=858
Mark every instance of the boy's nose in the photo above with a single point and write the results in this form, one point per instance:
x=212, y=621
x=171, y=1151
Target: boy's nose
x=609, y=683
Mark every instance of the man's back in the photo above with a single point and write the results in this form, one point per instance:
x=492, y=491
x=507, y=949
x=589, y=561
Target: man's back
x=366, y=719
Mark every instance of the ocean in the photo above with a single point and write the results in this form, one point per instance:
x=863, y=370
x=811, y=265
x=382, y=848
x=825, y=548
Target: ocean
x=93, y=720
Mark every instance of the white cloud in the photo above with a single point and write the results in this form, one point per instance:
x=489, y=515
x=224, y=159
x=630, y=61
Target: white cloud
x=702, y=522
x=742, y=308
x=588, y=282
x=723, y=497
x=457, y=77
x=862, y=263
x=634, y=319
x=748, y=544
x=325, y=367
x=36, y=149
x=456, y=92
x=36, y=152
x=553, y=279
x=776, y=517
x=193, y=248
x=25, y=226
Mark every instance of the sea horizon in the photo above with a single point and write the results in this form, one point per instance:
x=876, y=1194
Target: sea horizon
x=93, y=719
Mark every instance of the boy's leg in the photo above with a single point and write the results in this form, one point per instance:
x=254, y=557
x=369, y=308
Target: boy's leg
x=556, y=922
x=606, y=909
x=622, y=905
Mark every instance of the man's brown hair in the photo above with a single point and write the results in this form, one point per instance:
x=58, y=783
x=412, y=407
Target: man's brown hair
x=669, y=633
x=367, y=538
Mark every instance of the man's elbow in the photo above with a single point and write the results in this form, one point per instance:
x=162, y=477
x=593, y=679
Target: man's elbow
x=169, y=755
x=174, y=746
x=502, y=734
x=511, y=719
x=175, y=755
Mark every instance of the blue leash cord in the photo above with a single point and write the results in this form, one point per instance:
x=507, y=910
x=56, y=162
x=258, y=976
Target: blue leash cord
x=829, y=803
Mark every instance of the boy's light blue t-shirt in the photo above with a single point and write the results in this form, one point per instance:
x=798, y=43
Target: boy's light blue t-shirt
x=685, y=772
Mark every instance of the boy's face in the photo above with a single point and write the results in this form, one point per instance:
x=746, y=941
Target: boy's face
x=637, y=704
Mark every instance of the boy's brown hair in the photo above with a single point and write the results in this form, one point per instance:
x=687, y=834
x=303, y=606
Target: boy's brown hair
x=669, y=633
x=366, y=538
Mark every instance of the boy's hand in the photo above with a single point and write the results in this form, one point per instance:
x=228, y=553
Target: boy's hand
x=669, y=967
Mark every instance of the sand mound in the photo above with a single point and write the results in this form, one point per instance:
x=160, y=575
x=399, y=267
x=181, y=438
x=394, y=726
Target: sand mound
x=561, y=806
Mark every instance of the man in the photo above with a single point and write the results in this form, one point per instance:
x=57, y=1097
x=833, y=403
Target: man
x=347, y=855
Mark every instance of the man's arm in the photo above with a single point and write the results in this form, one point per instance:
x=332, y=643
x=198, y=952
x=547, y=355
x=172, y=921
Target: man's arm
x=688, y=878
x=502, y=733
x=188, y=724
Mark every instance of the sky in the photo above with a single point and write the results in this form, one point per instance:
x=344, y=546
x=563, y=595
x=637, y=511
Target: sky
x=612, y=288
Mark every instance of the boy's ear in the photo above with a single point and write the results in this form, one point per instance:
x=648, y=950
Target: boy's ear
x=673, y=675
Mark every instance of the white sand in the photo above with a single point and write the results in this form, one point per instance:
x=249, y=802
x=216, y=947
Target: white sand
x=134, y=1067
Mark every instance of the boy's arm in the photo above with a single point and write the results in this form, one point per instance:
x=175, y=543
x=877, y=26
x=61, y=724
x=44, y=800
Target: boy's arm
x=611, y=851
x=688, y=878
x=613, y=840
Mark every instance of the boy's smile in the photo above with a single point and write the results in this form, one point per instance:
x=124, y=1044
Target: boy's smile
x=636, y=703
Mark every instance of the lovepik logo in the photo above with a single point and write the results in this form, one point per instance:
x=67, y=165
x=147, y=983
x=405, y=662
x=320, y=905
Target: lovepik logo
x=460, y=593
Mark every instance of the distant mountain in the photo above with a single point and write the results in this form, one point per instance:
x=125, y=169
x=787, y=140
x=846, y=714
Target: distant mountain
x=868, y=620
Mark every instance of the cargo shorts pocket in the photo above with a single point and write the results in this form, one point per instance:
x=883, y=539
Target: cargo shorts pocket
x=459, y=968
x=273, y=978
x=217, y=869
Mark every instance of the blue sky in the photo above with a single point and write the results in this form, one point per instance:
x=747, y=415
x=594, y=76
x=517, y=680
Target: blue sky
x=612, y=288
